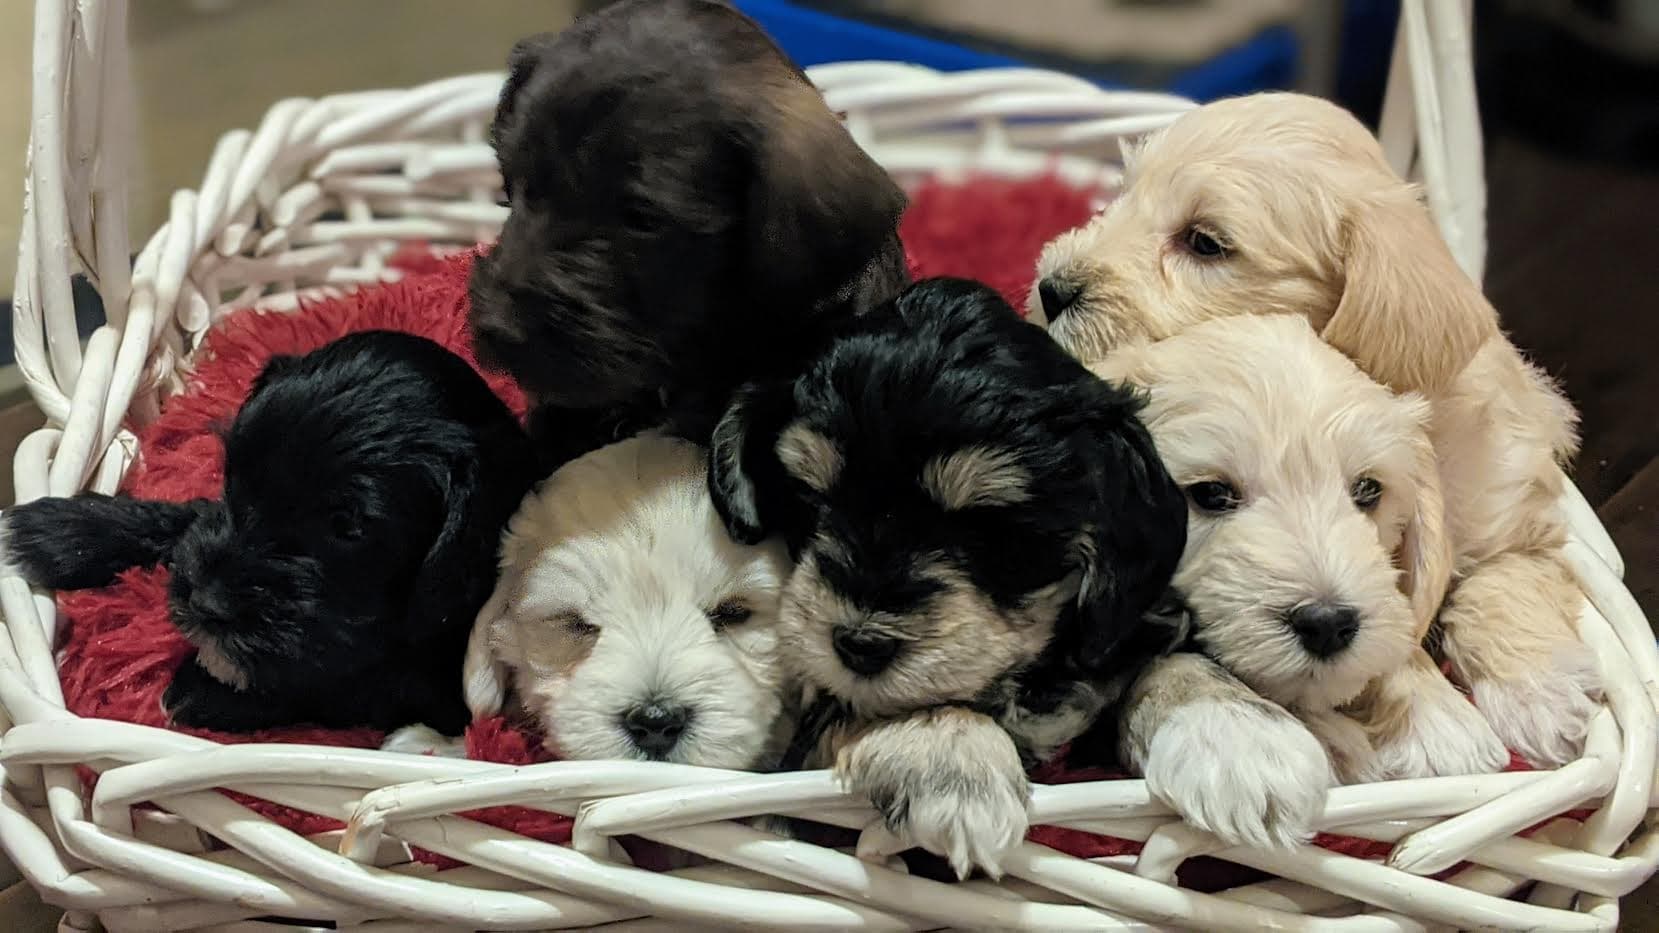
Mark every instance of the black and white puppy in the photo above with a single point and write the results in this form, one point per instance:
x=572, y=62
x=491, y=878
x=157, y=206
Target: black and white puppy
x=686, y=215
x=981, y=528
x=366, y=486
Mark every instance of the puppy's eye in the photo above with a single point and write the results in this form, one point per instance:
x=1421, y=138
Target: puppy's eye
x=1366, y=491
x=730, y=612
x=1203, y=243
x=346, y=524
x=575, y=625
x=1214, y=496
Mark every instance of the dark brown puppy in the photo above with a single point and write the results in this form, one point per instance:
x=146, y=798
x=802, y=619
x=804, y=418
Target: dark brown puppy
x=686, y=215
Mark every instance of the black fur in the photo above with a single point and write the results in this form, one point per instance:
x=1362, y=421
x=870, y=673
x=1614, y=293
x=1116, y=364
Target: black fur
x=84, y=542
x=686, y=215
x=366, y=485
x=954, y=367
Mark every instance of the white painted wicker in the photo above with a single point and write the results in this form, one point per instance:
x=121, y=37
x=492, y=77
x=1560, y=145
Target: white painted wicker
x=407, y=164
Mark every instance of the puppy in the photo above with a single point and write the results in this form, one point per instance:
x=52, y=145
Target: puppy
x=366, y=485
x=686, y=215
x=1315, y=522
x=629, y=622
x=979, y=525
x=1284, y=203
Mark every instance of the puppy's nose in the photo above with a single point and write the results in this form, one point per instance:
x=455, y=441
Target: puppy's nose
x=1057, y=295
x=864, y=652
x=655, y=726
x=1324, y=629
x=209, y=603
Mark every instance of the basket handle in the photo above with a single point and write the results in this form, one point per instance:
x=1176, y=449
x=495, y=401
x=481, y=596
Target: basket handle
x=1431, y=121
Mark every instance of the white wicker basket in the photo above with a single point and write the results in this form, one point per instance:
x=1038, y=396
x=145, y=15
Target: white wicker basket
x=412, y=164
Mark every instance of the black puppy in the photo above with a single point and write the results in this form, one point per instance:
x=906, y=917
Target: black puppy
x=981, y=528
x=366, y=485
x=686, y=215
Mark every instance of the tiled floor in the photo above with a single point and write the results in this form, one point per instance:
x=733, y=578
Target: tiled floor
x=1570, y=260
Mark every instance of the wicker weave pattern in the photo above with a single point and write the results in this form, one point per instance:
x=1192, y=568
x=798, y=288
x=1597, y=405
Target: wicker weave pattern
x=316, y=199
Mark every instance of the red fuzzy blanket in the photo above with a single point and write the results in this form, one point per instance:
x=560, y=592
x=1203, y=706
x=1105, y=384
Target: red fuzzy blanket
x=119, y=649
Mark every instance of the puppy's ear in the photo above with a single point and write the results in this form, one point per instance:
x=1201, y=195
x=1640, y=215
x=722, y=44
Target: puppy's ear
x=1408, y=315
x=1136, y=533
x=1425, y=556
x=483, y=675
x=482, y=484
x=526, y=54
x=1130, y=149
x=746, y=477
x=819, y=208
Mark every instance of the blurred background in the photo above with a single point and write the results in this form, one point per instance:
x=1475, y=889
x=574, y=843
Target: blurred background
x=1568, y=104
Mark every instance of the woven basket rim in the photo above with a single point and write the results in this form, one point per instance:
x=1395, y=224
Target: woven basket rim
x=410, y=163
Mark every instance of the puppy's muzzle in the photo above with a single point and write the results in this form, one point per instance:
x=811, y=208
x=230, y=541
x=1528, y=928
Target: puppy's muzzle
x=863, y=651
x=1324, y=629
x=655, y=727
x=1058, y=295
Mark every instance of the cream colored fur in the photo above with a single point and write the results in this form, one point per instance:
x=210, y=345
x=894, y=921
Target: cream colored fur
x=611, y=570
x=1314, y=223
x=1262, y=404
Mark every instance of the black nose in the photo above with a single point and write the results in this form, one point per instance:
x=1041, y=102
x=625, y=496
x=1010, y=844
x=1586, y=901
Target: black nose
x=655, y=726
x=864, y=652
x=1324, y=629
x=1057, y=295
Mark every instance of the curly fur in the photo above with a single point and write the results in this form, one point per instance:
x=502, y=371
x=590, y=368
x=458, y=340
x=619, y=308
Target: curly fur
x=963, y=495
x=1309, y=220
x=1293, y=428
x=620, y=589
x=686, y=214
x=365, y=486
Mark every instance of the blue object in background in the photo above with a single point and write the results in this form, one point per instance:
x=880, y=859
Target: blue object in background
x=814, y=37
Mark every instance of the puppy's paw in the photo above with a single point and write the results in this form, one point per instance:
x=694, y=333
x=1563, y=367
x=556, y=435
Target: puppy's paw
x=198, y=700
x=1440, y=733
x=947, y=780
x=424, y=740
x=1544, y=714
x=1248, y=772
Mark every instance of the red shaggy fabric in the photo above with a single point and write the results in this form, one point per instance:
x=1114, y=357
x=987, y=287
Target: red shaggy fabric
x=119, y=648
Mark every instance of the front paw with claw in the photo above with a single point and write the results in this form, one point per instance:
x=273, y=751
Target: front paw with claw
x=947, y=780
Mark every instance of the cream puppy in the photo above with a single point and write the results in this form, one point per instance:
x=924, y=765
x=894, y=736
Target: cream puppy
x=1314, y=522
x=628, y=621
x=1281, y=203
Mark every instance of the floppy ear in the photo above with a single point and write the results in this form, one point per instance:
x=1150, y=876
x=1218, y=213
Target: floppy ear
x=481, y=489
x=1136, y=533
x=747, y=482
x=1425, y=555
x=483, y=675
x=526, y=54
x=818, y=208
x=1408, y=315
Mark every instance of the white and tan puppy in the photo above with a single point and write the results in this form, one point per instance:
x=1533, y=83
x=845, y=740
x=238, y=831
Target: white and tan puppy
x=1282, y=203
x=628, y=621
x=1314, y=521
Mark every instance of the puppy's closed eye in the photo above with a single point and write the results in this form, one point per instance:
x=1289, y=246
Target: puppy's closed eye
x=345, y=523
x=575, y=624
x=731, y=611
